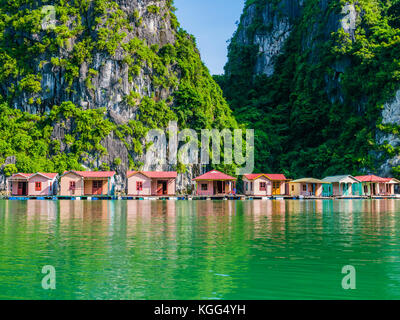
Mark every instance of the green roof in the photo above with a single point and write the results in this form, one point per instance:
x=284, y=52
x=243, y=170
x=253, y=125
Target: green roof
x=332, y=179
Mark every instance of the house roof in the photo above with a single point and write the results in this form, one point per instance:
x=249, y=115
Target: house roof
x=391, y=180
x=93, y=174
x=45, y=174
x=308, y=180
x=270, y=176
x=23, y=175
x=370, y=178
x=340, y=178
x=214, y=175
x=30, y=175
x=155, y=174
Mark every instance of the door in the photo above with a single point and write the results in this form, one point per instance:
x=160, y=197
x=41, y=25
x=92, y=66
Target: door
x=276, y=188
x=22, y=189
x=345, y=188
x=97, y=187
x=161, y=188
x=220, y=187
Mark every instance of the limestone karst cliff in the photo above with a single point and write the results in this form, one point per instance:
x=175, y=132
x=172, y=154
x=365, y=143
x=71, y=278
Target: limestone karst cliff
x=318, y=81
x=81, y=82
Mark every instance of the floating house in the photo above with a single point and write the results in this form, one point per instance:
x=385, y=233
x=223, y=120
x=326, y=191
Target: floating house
x=151, y=183
x=306, y=187
x=391, y=184
x=87, y=183
x=343, y=185
x=33, y=184
x=215, y=183
x=372, y=185
x=264, y=184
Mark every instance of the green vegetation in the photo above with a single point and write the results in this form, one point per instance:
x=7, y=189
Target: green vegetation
x=310, y=117
x=66, y=135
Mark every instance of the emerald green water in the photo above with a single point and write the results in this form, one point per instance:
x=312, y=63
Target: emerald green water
x=257, y=249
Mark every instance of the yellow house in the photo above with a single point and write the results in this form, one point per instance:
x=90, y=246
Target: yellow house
x=306, y=187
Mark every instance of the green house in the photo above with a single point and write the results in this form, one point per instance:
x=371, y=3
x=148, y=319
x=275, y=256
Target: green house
x=343, y=185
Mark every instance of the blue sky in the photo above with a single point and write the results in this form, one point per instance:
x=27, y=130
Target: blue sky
x=212, y=22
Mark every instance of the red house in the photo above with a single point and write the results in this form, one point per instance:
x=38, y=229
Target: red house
x=264, y=184
x=215, y=183
x=33, y=184
x=87, y=183
x=151, y=183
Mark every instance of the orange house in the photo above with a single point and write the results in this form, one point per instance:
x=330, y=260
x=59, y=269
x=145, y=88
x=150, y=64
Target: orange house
x=215, y=183
x=33, y=184
x=264, y=184
x=151, y=183
x=87, y=183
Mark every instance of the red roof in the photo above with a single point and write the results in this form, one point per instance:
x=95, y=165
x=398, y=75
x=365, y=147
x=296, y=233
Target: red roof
x=370, y=178
x=155, y=174
x=214, y=175
x=30, y=175
x=270, y=176
x=276, y=176
x=93, y=174
x=46, y=174
x=25, y=175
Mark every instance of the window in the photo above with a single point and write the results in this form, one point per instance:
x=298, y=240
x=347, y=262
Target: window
x=38, y=186
x=204, y=187
x=292, y=188
x=97, y=184
x=139, y=185
x=304, y=187
x=247, y=186
x=72, y=185
x=263, y=186
x=251, y=186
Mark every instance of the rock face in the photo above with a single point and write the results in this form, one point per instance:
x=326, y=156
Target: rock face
x=110, y=83
x=268, y=24
x=391, y=116
x=276, y=21
x=128, y=57
x=300, y=60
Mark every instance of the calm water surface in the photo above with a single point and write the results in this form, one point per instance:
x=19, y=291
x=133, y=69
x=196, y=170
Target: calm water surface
x=200, y=249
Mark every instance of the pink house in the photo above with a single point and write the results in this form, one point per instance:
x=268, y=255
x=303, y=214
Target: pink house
x=390, y=185
x=264, y=184
x=33, y=184
x=87, y=183
x=215, y=183
x=373, y=185
x=151, y=183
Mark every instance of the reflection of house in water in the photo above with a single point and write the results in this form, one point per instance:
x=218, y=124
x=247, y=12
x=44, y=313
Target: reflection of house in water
x=41, y=208
x=214, y=208
x=71, y=209
x=84, y=209
x=148, y=208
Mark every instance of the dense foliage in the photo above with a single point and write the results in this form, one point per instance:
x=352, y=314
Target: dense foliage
x=82, y=29
x=312, y=118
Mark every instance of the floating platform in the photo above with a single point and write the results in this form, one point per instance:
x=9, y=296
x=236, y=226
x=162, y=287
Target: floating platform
x=194, y=197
